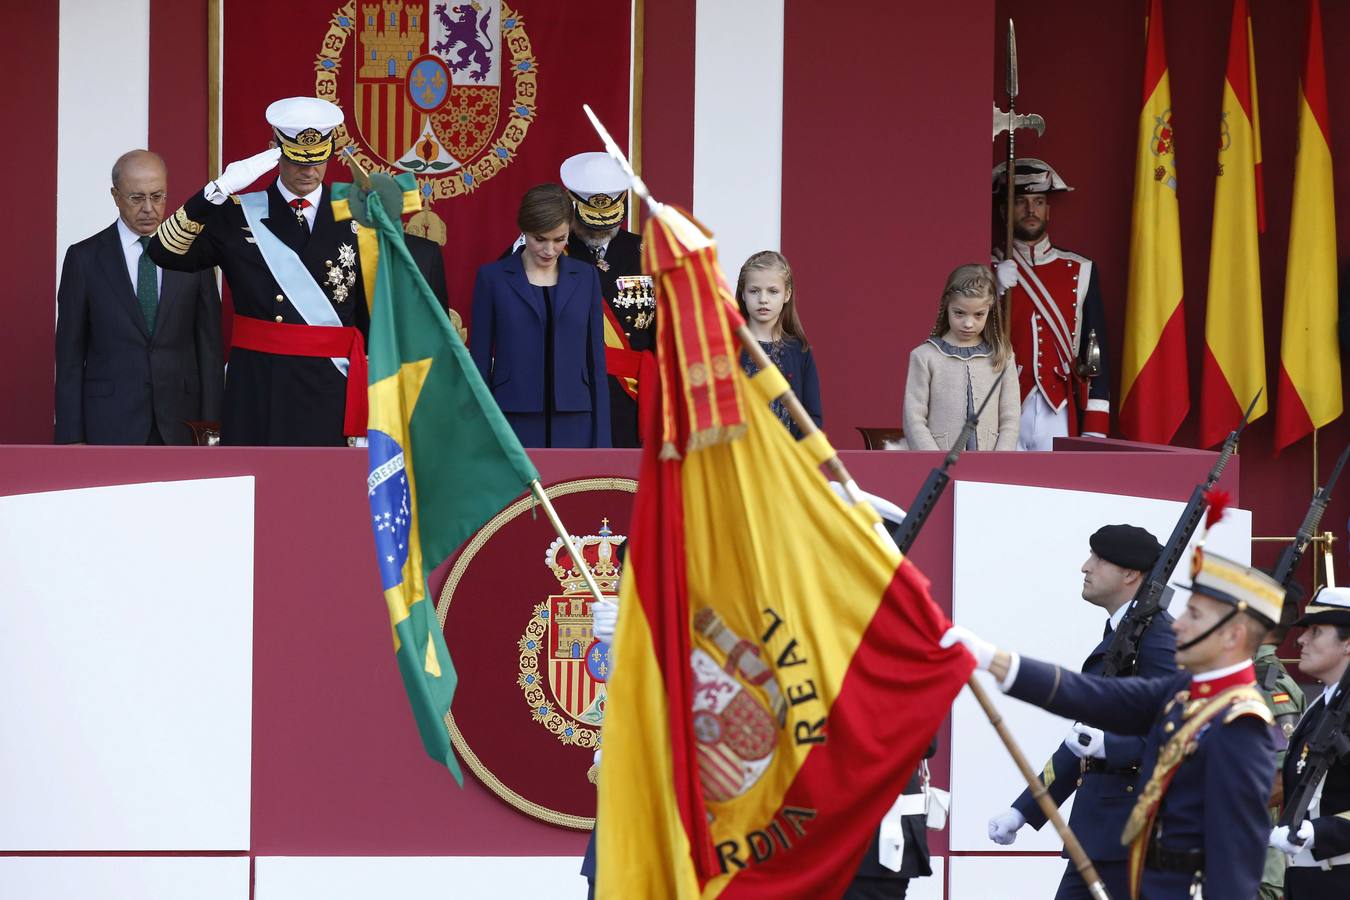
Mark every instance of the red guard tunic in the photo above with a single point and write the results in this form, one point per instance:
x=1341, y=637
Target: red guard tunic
x=1055, y=304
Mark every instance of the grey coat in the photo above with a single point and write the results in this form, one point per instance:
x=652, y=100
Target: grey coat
x=935, y=399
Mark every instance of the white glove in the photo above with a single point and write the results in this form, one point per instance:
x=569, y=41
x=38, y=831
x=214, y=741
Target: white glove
x=1005, y=274
x=239, y=175
x=1095, y=748
x=1003, y=827
x=982, y=650
x=604, y=616
x=1303, y=839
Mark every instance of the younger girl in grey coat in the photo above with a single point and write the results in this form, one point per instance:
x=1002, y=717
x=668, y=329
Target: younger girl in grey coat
x=965, y=358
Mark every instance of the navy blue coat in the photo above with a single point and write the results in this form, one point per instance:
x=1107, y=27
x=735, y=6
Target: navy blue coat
x=1217, y=798
x=506, y=339
x=1104, y=799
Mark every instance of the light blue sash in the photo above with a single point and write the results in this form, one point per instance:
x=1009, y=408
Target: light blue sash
x=287, y=268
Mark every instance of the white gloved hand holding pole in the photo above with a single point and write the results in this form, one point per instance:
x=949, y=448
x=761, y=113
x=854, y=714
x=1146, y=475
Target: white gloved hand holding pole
x=240, y=174
x=604, y=617
x=1003, y=827
x=1005, y=275
x=982, y=650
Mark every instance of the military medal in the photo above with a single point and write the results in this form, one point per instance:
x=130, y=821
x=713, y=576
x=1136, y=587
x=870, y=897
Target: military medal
x=1302, y=761
x=601, y=264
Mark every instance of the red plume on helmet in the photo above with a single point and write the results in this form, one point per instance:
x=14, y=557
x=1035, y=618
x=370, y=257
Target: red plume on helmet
x=1217, y=500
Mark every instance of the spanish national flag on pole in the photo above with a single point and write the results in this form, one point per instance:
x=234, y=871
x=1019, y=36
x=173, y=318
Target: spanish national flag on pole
x=1310, y=362
x=1235, y=357
x=777, y=674
x=1154, y=381
x=443, y=461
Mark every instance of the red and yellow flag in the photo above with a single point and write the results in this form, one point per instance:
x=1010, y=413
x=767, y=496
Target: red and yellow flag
x=1310, y=362
x=776, y=671
x=1235, y=356
x=1154, y=379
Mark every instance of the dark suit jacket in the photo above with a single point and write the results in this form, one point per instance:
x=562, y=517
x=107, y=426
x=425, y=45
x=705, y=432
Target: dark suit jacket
x=427, y=255
x=506, y=338
x=112, y=376
x=1104, y=799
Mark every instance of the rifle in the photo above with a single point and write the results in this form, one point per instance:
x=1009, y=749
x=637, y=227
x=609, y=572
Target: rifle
x=928, y=496
x=1327, y=743
x=1289, y=560
x=1123, y=651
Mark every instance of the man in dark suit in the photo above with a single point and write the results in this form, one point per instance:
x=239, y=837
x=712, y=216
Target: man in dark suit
x=137, y=349
x=1101, y=767
x=300, y=310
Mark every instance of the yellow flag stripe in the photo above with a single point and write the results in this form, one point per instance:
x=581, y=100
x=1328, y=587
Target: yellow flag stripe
x=1155, y=283
x=1233, y=324
x=1308, y=350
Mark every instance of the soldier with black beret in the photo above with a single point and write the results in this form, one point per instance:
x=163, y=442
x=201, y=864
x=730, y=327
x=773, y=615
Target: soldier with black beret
x=1101, y=767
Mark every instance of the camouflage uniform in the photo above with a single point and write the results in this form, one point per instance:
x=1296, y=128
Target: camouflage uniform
x=1286, y=702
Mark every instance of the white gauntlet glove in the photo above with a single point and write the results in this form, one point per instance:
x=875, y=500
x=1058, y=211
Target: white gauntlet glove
x=1293, y=844
x=1003, y=827
x=1005, y=274
x=239, y=175
x=1093, y=748
x=982, y=650
x=604, y=616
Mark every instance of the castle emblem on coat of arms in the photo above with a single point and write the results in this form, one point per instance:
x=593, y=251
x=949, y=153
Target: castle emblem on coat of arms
x=444, y=90
x=563, y=666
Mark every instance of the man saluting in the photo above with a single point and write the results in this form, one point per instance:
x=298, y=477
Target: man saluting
x=293, y=274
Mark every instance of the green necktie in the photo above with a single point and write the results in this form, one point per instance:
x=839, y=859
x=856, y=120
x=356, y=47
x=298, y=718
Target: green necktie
x=147, y=286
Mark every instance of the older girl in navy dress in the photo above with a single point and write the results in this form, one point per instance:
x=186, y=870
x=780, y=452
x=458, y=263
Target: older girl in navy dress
x=764, y=294
x=537, y=334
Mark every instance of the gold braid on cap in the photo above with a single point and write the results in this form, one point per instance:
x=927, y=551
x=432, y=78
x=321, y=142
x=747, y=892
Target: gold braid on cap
x=308, y=148
x=600, y=210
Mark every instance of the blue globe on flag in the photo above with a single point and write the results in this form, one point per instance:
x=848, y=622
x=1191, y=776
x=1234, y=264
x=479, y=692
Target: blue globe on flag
x=390, y=506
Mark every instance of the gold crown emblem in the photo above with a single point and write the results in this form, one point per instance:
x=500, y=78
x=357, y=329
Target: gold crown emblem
x=600, y=554
x=600, y=201
x=308, y=136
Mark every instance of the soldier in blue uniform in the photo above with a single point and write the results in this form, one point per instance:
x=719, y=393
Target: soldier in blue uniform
x=1102, y=767
x=1319, y=849
x=1199, y=818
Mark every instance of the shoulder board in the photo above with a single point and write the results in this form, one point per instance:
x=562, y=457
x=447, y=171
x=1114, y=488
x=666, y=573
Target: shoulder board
x=1249, y=705
x=235, y=198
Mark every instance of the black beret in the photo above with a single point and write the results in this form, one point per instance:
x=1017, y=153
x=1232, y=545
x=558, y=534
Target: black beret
x=1127, y=546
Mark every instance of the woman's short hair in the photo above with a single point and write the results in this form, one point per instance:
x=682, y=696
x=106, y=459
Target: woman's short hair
x=543, y=208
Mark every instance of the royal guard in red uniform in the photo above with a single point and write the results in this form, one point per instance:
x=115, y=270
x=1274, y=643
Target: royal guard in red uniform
x=1057, y=320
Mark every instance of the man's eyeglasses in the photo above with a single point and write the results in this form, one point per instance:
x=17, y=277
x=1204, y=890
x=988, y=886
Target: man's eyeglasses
x=138, y=199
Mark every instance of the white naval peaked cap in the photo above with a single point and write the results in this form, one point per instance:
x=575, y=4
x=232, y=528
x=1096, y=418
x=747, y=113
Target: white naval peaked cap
x=303, y=127
x=588, y=174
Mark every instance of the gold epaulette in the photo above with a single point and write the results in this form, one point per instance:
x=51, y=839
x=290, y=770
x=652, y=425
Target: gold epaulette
x=1248, y=702
x=178, y=232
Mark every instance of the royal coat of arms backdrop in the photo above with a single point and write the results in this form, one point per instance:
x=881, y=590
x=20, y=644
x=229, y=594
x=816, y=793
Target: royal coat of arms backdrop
x=479, y=100
x=530, y=703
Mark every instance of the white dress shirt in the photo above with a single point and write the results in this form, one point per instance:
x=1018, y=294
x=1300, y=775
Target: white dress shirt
x=313, y=197
x=132, y=250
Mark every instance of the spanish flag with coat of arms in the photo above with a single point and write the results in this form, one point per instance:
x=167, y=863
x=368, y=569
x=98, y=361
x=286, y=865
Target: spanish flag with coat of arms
x=776, y=668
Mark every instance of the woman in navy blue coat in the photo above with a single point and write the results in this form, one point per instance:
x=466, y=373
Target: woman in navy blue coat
x=537, y=332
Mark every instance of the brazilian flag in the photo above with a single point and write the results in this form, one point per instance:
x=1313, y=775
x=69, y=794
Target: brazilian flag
x=442, y=462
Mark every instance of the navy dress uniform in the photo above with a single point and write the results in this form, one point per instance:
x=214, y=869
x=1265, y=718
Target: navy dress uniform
x=1199, y=820
x=599, y=191
x=300, y=311
x=1057, y=325
x=1104, y=789
x=1321, y=869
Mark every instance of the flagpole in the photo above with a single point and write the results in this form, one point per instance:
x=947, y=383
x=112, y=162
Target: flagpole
x=537, y=489
x=1041, y=795
x=693, y=237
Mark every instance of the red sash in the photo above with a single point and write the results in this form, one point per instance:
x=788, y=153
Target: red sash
x=313, y=340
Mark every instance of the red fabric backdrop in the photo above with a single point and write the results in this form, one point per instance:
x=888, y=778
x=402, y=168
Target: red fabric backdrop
x=273, y=51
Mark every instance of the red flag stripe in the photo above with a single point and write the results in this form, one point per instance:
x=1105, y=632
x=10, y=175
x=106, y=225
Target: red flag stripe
x=1315, y=73
x=1158, y=400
